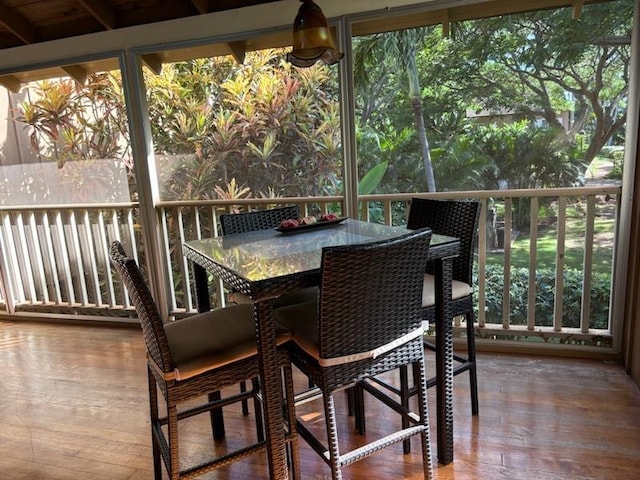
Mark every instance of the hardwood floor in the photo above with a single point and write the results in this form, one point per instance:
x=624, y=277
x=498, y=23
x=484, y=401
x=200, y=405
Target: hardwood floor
x=73, y=406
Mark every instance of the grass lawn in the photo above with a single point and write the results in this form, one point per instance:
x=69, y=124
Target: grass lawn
x=574, y=241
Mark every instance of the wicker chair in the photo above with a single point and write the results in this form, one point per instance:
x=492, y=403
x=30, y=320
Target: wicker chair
x=454, y=218
x=231, y=223
x=257, y=220
x=193, y=358
x=457, y=219
x=351, y=334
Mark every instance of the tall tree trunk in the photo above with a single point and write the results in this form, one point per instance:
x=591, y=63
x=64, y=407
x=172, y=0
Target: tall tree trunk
x=416, y=105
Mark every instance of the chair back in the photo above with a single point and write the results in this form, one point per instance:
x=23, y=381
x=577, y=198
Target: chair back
x=153, y=332
x=371, y=293
x=454, y=218
x=258, y=220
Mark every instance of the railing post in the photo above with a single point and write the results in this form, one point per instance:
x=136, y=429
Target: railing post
x=585, y=310
x=560, y=248
x=482, y=262
x=506, y=289
x=533, y=263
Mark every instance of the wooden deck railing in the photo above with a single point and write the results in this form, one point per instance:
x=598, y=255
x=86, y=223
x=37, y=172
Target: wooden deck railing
x=53, y=259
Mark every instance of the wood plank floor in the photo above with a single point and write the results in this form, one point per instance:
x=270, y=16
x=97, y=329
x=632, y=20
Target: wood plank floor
x=73, y=406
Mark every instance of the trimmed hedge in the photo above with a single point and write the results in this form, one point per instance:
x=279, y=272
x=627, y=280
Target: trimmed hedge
x=545, y=292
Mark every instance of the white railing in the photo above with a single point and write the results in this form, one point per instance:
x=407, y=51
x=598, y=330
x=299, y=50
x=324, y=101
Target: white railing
x=54, y=259
x=595, y=204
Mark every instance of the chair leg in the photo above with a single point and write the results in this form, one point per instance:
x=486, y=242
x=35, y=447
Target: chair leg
x=257, y=408
x=332, y=435
x=245, y=404
x=172, y=428
x=290, y=415
x=217, y=420
x=153, y=413
x=471, y=353
x=358, y=409
x=404, y=401
x=421, y=371
x=351, y=403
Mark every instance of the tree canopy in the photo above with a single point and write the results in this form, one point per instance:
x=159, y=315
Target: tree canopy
x=566, y=77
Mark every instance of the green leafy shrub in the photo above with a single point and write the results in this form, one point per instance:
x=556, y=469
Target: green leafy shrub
x=545, y=291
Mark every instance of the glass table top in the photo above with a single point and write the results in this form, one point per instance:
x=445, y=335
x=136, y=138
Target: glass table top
x=266, y=254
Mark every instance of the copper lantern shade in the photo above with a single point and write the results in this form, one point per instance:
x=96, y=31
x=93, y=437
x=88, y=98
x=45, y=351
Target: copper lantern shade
x=312, y=40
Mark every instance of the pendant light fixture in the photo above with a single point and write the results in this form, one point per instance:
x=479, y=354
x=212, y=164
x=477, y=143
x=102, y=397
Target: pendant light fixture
x=312, y=40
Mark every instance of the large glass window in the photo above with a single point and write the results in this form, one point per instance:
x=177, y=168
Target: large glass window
x=65, y=142
x=230, y=128
x=260, y=128
x=533, y=100
x=66, y=187
x=512, y=103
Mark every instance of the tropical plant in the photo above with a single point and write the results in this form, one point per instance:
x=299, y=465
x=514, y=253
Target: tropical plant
x=70, y=122
x=274, y=128
x=461, y=164
x=76, y=126
x=524, y=157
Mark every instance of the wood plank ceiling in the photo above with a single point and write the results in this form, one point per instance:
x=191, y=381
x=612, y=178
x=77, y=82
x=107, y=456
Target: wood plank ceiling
x=24, y=22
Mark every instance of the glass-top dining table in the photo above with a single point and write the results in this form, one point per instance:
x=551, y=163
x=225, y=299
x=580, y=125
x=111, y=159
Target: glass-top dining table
x=265, y=264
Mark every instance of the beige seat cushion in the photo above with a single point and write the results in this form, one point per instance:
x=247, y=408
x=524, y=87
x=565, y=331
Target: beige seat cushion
x=300, y=319
x=458, y=290
x=300, y=296
x=213, y=339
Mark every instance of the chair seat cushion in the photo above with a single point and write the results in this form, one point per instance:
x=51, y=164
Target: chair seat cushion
x=213, y=339
x=300, y=319
x=458, y=290
x=300, y=296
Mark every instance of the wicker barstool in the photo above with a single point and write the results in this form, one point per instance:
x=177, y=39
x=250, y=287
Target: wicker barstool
x=371, y=327
x=455, y=218
x=231, y=223
x=197, y=357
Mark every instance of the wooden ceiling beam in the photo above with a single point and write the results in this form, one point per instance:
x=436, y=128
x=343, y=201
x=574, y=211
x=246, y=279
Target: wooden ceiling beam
x=201, y=5
x=577, y=8
x=17, y=25
x=446, y=23
x=101, y=12
x=153, y=62
x=76, y=72
x=237, y=50
x=11, y=83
